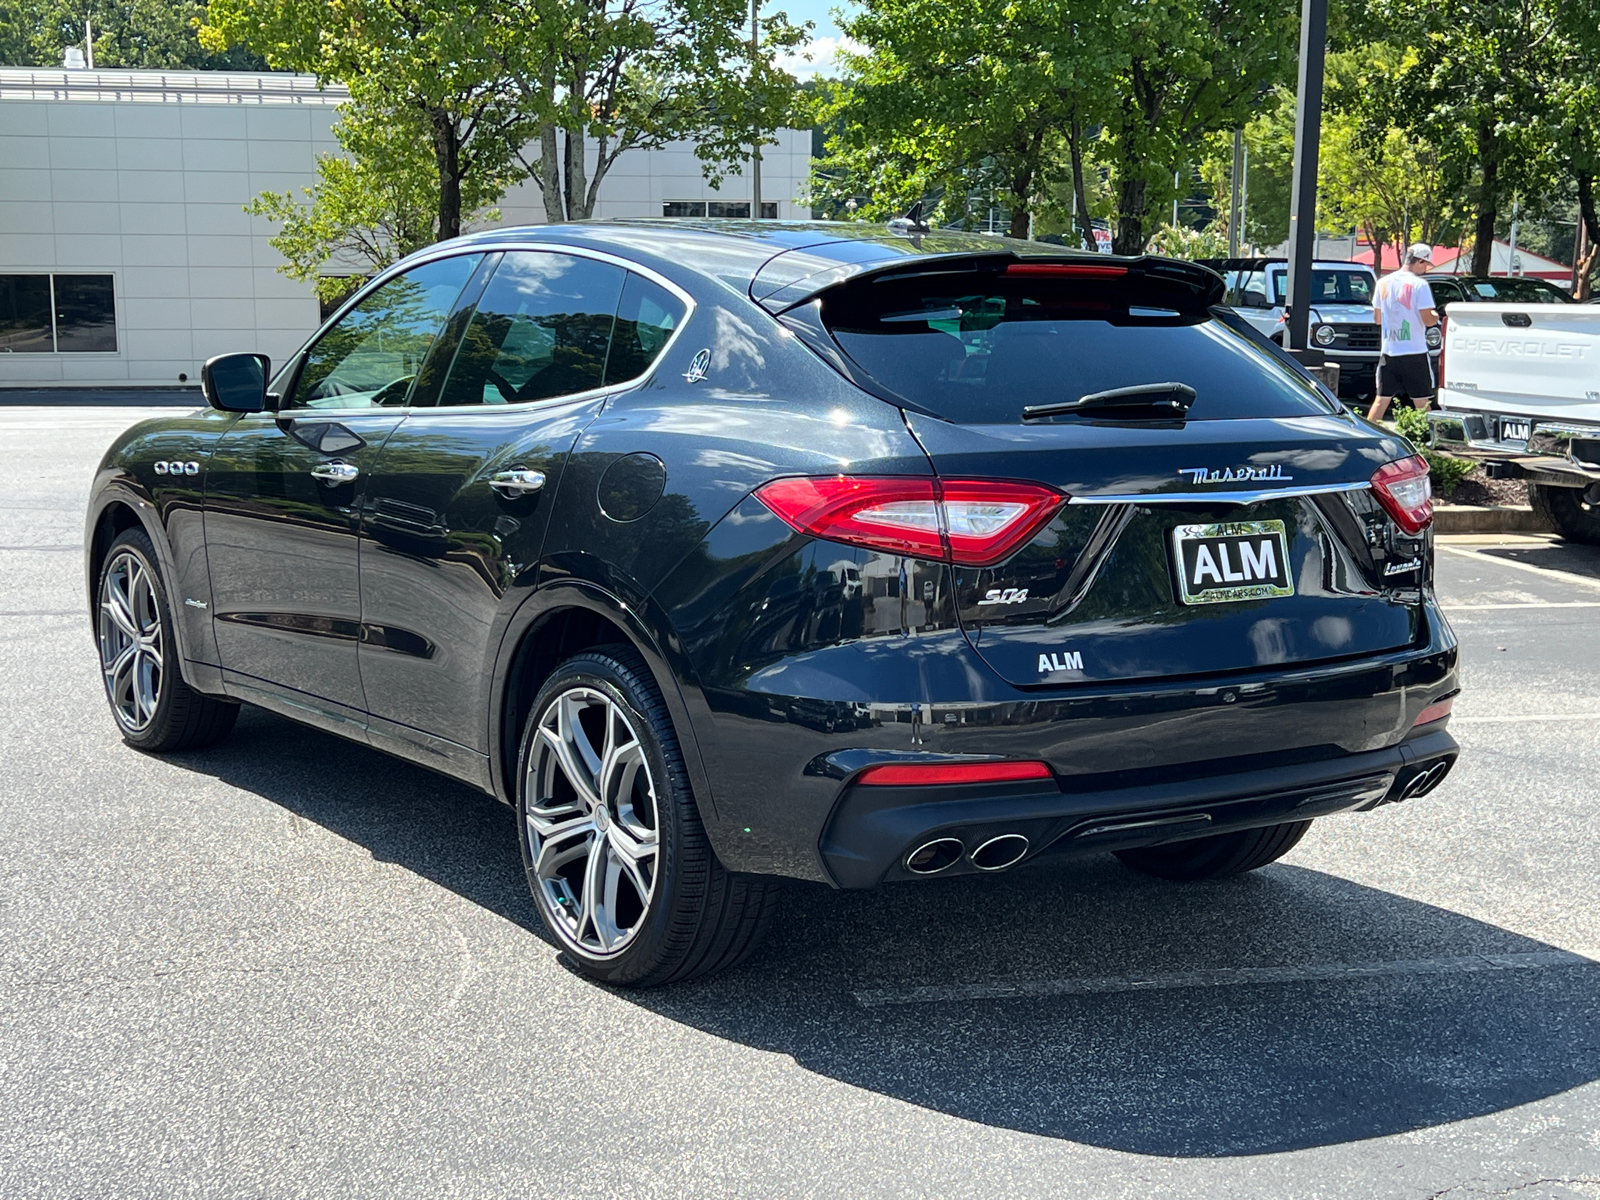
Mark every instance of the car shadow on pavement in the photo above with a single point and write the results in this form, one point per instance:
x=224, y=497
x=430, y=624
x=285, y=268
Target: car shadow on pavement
x=1197, y=1071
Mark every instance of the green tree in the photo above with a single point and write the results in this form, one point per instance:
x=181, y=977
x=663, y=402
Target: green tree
x=137, y=34
x=1478, y=81
x=620, y=75
x=988, y=97
x=368, y=208
x=1191, y=68
x=421, y=68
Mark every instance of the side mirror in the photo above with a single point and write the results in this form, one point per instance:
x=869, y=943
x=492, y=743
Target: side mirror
x=236, y=382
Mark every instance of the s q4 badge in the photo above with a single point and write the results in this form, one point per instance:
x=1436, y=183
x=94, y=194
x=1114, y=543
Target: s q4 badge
x=698, y=367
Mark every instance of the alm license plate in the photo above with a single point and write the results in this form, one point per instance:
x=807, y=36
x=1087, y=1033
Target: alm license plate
x=1234, y=560
x=1513, y=429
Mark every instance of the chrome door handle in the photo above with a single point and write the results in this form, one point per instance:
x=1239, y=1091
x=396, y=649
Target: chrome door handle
x=335, y=473
x=516, y=483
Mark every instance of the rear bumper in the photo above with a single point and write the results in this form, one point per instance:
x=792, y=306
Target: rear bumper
x=1556, y=454
x=874, y=830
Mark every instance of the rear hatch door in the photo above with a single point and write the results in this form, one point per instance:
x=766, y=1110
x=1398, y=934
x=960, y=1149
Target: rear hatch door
x=1243, y=535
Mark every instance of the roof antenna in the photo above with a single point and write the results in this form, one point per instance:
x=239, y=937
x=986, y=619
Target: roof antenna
x=912, y=222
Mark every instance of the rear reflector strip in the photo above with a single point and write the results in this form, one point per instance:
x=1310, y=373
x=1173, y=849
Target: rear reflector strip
x=1434, y=712
x=917, y=774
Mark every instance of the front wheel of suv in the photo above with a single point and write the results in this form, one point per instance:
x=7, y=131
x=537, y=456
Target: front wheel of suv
x=154, y=708
x=1565, y=511
x=1218, y=856
x=617, y=859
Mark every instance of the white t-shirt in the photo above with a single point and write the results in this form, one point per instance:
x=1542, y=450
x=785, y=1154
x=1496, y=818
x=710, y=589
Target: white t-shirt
x=1400, y=299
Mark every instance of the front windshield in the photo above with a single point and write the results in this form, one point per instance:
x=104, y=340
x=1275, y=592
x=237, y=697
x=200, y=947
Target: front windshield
x=1331, y=285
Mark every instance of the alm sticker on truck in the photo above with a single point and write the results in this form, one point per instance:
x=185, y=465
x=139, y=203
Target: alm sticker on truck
x=1233, y=560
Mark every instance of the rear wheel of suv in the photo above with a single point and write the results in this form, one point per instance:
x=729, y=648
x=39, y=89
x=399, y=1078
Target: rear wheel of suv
x=154, y=708
x=1219, y=856
x=619, y=863
x=1564, y=511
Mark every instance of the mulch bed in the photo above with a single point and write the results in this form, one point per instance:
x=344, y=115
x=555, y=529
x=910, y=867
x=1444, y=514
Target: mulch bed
x=1477, y=488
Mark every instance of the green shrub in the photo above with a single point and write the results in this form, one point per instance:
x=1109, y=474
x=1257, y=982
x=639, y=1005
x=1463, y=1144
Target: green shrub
x=1446, y=473
x=1413, y=425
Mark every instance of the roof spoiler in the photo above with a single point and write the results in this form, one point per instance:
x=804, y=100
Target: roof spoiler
x=780, y=286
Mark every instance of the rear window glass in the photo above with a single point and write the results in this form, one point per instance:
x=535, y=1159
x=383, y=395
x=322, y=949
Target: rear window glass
x=976, y=349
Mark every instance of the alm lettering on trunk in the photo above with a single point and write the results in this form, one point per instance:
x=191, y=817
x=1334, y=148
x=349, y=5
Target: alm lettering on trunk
x=1067, y=660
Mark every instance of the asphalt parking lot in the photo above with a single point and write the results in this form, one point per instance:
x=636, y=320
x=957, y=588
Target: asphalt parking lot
x=290, y=966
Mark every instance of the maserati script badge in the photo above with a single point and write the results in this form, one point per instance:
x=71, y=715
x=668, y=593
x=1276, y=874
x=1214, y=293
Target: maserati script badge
x=1272, y=474
x=698, y=367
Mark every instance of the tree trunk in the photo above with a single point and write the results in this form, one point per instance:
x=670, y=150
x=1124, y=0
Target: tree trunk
x=578, y=207
x=1591, y=227
x=447, y=156
x=1080, y=196
x=1129, y=238
x=1022, y=189
x=550, y=174
x=1488, y=204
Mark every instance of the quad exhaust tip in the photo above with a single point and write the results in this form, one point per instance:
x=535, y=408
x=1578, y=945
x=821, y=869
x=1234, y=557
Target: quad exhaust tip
x=932, y=857
x=1001, y=852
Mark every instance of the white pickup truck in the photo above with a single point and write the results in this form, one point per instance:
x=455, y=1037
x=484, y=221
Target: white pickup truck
x=1520, y=392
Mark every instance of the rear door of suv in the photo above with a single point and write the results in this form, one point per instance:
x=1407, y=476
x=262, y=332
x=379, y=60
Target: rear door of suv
x=1239, y=534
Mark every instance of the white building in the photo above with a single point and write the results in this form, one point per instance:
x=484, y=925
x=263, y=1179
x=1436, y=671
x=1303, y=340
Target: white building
x=126, y=257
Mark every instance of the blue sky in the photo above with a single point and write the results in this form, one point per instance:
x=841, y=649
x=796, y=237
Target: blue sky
x=825, y=36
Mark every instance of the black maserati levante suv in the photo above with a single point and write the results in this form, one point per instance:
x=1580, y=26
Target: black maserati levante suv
x=732, y=552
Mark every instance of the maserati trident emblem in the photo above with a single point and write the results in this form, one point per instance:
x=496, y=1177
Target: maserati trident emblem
x=1272, y=474
x=698, y=366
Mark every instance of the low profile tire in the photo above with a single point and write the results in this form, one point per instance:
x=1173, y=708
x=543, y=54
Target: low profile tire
x=1564, y=511
x=1216, y=857
x=154, y=708
x=619, y=864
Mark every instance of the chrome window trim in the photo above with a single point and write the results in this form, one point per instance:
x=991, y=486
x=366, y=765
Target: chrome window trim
x=415, y=261
x=1321, y=489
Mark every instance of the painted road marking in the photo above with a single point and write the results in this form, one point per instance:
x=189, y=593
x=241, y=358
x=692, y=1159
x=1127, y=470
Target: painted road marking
x=1226, y=977
x=1545, y=572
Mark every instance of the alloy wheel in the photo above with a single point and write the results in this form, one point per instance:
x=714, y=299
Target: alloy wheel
x=132, y=641
x=592, y=822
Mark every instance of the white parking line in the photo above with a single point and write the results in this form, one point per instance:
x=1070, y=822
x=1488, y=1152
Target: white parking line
x=1225, y=977
x=1527, y=717
x=1451, y=608
x=1546, y=572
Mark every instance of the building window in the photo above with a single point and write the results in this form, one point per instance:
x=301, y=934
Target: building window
x=718, y=208
x=60, y=314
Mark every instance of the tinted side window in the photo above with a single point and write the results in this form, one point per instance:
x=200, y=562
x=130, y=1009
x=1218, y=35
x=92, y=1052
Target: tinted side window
x=86, y=314
x=542, y=329
x=372, y=355
x=645, y=320
x=25, y=315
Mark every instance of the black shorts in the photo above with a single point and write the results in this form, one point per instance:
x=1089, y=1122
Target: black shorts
x=1406, y=375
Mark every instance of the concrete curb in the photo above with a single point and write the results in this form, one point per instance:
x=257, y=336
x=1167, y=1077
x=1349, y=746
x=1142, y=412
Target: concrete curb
x=1468, y=518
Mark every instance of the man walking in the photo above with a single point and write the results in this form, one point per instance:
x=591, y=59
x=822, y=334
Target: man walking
x=1403, y=308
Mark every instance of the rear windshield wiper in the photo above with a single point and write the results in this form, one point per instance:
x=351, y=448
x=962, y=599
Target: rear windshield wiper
x=1160, y=399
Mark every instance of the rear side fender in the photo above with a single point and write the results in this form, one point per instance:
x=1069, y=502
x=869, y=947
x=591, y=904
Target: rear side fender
x=560, y=620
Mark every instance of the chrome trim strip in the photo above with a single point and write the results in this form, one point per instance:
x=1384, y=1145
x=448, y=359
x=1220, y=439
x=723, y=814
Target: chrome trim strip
x=1322, y=489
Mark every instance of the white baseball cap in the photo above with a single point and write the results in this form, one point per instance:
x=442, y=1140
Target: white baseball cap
x=1420, y=252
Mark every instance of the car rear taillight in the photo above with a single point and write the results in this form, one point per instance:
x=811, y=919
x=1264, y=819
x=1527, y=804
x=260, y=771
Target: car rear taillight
x=970, y=522
x=1405, y=492
x=1434, y=712
x=917, y=774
